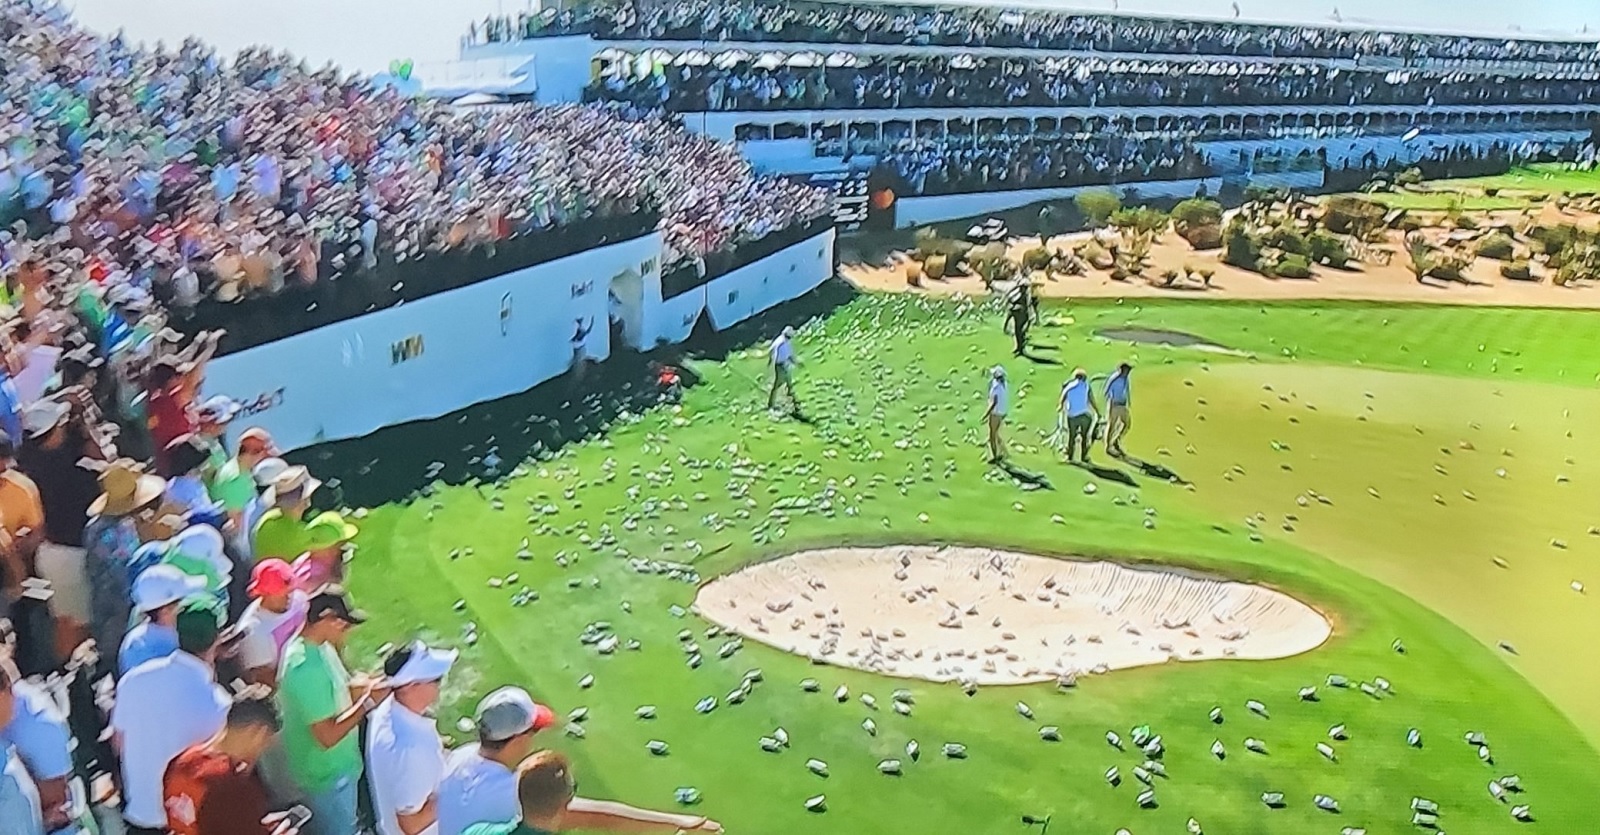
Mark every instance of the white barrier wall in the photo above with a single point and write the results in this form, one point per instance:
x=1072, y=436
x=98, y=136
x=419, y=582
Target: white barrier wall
x=498, y=337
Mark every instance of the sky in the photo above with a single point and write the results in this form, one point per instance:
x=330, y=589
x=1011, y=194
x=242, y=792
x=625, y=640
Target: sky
x=366, y=35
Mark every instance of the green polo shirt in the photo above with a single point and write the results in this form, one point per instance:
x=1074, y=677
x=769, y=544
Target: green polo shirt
x=510, y=828
x=313, y=686
x=279, y=536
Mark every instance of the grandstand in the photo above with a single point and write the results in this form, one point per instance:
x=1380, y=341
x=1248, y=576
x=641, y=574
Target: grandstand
x=959, y=110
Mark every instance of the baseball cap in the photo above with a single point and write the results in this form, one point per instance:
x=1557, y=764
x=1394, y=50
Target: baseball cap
x=258, y=440
x=332, y=601
x=417, y=662
x=510, y=711
x=327, y=530
x=41, y=416
x=267, y=471
x=163, y=585
x=199, y=621
x=218, y=409
x=270, y=577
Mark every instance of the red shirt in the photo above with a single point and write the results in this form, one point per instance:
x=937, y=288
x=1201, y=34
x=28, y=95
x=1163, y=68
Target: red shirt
x=209, y=793
x=170, y=417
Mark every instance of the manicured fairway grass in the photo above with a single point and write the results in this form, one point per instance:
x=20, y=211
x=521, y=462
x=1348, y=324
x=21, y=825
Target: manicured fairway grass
x=1515, y=188
x=894, y=392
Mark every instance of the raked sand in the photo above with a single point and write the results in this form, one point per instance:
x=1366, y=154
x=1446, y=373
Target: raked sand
x=996, y=617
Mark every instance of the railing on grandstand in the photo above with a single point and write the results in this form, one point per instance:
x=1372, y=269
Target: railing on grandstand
x=689, y=275
x=336, y=297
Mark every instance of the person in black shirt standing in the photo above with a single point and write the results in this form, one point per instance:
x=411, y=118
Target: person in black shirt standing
x=58, y=453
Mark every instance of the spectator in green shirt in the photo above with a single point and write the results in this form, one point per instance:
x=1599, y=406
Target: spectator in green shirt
x=322, y=708
x=547, y=794
x=281, y=532
x=231, y=484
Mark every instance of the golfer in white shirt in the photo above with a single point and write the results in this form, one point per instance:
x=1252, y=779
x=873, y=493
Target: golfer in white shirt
x=999, y=405
x=405, y=757
x=782, y=354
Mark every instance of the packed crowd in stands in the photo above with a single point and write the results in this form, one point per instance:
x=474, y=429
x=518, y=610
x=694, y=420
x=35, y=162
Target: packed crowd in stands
x=958, y=164
x=180, y=176
x=810, y=21
x=962, y=81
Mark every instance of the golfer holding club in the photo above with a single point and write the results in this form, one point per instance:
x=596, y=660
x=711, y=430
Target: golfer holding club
x=999, y=399
x=782, y=353
x=1081, y=412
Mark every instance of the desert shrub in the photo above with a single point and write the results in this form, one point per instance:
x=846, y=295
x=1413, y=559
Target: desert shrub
x=1288, y=239
x=1196, y=212
x=1206, y=274
x=1353, y=216
x=1328, y=249
x=1169, y=278
x=1498, y=246
x=1097, y=205
x=1037, y=258
x=1240, y=248
x=1420, y=255
x=1141, y=219
x=914, y=273
x=1491, y=192
x=1204, y=237
x=1070, y=264
x=1519, y=269
x=1466, y=222
x=927, y=242
x=1409, y=177
x=935, y=265
x=1293, y=266
x=1408, y=223
x=1450, y=266
x=1554, y=240
x=1094, y=254
x=956, y=255
x=1119, y=274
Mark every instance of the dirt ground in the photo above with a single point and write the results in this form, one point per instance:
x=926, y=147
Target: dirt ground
x=1362, y=281
x=995, y=617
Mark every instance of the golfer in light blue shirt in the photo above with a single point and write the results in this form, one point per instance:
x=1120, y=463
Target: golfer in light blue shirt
x=1118, y=394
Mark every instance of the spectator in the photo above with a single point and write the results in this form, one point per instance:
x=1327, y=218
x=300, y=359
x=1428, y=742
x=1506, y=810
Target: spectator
x=171, y=386
x=264, y=473
x=403, y=746
x=59, y=444
x=41, y=740
x=19, y=797
x=158, y=595
x=480, y=781
x=547, y=801
x=184, y=468
x=111, y=545
x=322, y=709
x=276, y=614
x=199, y=551
x=232, y=484
x=164, y=706
x=212, y=788
x=21, y=518
x=282, y=531
x=328, y=536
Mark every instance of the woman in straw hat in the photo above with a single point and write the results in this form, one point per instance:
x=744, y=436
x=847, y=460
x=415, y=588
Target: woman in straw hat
x=110, y=541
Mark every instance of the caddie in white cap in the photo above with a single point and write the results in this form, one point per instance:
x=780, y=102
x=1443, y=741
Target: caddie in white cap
x=480, y=781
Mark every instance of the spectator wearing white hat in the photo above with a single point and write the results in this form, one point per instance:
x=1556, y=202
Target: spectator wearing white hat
x=158, y=592
x=263, y=474
x=404, y=753
x=164, y=706
x=480, y=781
x=281, y=531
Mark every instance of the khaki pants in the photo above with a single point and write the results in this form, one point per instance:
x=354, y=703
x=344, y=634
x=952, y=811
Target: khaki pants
x=1118, y=424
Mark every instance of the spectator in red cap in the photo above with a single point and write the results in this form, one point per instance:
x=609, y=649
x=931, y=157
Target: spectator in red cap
x=276, y=613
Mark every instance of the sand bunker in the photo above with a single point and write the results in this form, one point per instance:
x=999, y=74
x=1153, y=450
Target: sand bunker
x=993, y=617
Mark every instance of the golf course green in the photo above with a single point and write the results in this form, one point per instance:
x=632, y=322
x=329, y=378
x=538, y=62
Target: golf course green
x=1423, y=476
x=1514, y=190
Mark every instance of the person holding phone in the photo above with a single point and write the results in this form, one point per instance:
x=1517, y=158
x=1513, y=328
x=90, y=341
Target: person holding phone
x=213, y=789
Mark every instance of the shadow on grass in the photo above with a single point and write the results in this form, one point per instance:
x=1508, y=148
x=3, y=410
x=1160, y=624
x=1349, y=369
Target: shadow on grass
x=1153, y=470
x=1036, y=480
x=486, y=441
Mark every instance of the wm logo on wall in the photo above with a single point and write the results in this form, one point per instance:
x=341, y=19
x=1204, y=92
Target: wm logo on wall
x=406, y=349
